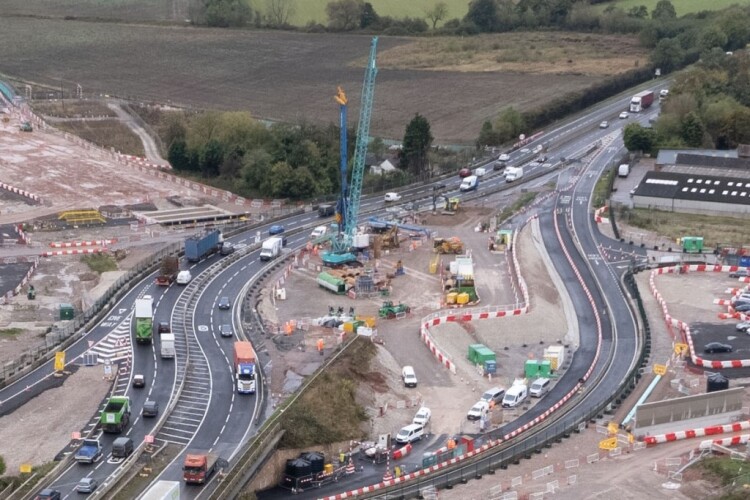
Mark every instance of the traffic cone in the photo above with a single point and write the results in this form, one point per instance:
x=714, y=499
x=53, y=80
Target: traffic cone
x=387, y=476
x=350, y=469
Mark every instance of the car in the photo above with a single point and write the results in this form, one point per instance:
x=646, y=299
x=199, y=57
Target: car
x=410, y=433
x=541, y=159
x=624, y=115
x=503, y=157
x=318, y=232
x=392, y=196
x=224, y=303
x=480, y=408
x=604, y=124
x=663, y=92
x=227, y=248
x=740, y=273
x=742, y=307
x=139, y=380
x=464, y=172
x=276, y=229
x=150, y=408
x=422, y=417
x=184, y=277
x=87, y=485
x=717, y=347
x=408, y=376
x=226, y=330
x=48, y=494
x=499, y=165
x=742, y=326
x=164, y=327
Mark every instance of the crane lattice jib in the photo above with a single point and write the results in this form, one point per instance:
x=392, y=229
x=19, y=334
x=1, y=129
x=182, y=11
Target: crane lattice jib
x=360, y=150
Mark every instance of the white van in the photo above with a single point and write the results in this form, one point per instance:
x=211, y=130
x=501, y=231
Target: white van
x=515, y=396
x=318, y=232
x=409, y=377
x=494, y=395
x=184, y=277
x=410, y=433
x=539, y=387
x=480, y=171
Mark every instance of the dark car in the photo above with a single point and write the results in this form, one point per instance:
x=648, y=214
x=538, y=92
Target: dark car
x=150, y=409
x=740, y=273
x=276, y=229
x=48, y=494
x=742, y=307
x=139, y=381
x=87, y=485
x=164, y=327
x=464, y=172
x=224, y=303
x=717, y=347
x=226, y=330
x=227, y=248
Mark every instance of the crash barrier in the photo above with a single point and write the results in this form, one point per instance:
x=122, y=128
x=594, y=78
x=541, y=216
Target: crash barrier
x=23, y=193
x=693, y=433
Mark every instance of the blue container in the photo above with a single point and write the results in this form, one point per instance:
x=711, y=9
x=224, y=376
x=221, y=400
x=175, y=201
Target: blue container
x=490, y=366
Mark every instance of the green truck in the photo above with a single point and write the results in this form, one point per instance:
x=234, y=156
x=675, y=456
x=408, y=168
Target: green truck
x=116, y=414
x=144, y=319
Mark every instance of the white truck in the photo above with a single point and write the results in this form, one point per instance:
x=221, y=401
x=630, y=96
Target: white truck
x=513, y=173
x=167, y=345
x=271, y=248
x=163, y=490
x=469, y=183
x=623, y=170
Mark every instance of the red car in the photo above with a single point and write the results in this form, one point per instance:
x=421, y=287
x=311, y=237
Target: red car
x=464, y=172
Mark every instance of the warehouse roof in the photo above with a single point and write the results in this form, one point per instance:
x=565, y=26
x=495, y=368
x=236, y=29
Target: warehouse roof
x=695, y=187
x=712, y=161
x=669, y=156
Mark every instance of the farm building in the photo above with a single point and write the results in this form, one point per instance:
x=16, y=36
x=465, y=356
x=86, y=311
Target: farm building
x=694, y=193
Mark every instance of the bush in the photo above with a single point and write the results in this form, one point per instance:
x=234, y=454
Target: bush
x=2, y=465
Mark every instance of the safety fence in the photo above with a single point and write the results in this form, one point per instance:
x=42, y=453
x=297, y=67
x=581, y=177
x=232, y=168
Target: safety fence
x=6, y=299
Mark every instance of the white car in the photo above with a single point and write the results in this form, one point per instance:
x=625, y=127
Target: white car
x=624, y=115
x=743, y=326
x=422, y=417
x=392, y=196
x=479, y=409
x=604, y=124
x=318, y=232
x=503, y=157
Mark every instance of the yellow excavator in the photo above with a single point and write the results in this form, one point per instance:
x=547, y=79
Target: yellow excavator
x=451, y=245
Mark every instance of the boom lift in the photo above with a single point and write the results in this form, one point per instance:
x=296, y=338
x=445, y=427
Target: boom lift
x=340, y=252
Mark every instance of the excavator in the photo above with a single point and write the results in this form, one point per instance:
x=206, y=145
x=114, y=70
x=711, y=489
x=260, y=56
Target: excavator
x=451, y=245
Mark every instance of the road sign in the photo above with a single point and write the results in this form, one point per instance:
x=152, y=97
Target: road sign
x=25, y=468
x=59, y=361
x=660, y=369
x=680, y=348
x=149, y=439
x=608, y=444
x=107, y=369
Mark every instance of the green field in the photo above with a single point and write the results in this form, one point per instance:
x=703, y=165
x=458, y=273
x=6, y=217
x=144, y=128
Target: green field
x=315, y=10
x=681, y=6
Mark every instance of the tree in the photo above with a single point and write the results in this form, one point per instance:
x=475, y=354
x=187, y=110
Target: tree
x=417, y=142
x=638, y=138
x=483, y=14
x=668, y=54
x=368, y=16
x=344, y=15
x=663, y=11
x=639, y=12
x=178, y=155
x=509, y=125
x=223, y=13
x=255, y=172
x=376, y=147
x=692, y=130
x=437, y=13
x=211, y=158
x=712, y=37
x=278, y=12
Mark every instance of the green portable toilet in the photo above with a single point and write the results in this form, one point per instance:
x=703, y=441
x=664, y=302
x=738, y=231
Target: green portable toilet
x=473, y=354
x=545, y=368
x=484, y=354
x=67, y=311
x=531, y=368
x=692, y=244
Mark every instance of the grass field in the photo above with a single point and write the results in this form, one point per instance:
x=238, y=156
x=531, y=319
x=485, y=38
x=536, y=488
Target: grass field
x=681, y=6
x=315, y=10
x=105, y=133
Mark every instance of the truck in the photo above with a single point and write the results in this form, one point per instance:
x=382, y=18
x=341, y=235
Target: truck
x=116, y=414
x=244, y=367
x=271, y=248
x=170, y=265
x=469, y=183
x=202, y=245
x=89, y=452
x=144, y=319
x=513, y=173
x=623, y=170
x=641, y=101
x=198, y=467
x=167, y=345
x=163, y=490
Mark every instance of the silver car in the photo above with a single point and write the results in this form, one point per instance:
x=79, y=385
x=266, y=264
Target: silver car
x=87, y=485
x=743, y=326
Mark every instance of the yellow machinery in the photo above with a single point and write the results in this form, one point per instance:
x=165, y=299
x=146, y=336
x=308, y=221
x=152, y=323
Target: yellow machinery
x=390, y=238
x=451, y=206
x=82, y=217
x=451, y=245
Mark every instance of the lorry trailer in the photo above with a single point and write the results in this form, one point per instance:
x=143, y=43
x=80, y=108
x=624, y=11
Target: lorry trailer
x=641, y=101
x=202, y=245
x=244, y=367
x=163, y=490
x=198, y=467
x=144, y=319
x=116, y=414
x=170, y=265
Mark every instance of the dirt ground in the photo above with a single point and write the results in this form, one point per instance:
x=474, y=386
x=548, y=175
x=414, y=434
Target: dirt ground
x=199, y=68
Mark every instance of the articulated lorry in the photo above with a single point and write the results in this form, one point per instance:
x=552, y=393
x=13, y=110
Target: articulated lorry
x=202, y=245
x=271, y=248
x=641, y=101
x=244, y=367
x=163, y=490
x=170, y=265
x=198, y=467
x=89, y=452
x=167, y=345
x=144, y=319
x=116, y=414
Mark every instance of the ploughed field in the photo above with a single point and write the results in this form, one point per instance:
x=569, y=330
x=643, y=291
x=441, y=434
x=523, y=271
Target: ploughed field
x=293, y=76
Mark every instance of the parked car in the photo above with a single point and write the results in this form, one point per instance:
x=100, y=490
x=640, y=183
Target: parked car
x=139, y=381
x=464, y=172
x=740, y=273
x=494, y=395
x=624, y=115
x=410, y=433
x=422, y=417
x=408, y=376
x=717, y=347
x=48, y=494
x=87, y=485
x=150, y=409
x=224, y=303
x=276, y=229
x=742, y=326
x=479, y=409
x=604, y=124
x=164, y=327
x=392, y=196
x=226, y=330
x=741, y=307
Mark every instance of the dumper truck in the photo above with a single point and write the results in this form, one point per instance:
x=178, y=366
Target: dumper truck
x=244, y=367
x=198, y=467
x=167, y=345
x=116, y=414
x=170, y=265
x=641, y=101
x=271, y=248
x=89, y=452
x=163, y=490
x=144, y=319
x=202, y=245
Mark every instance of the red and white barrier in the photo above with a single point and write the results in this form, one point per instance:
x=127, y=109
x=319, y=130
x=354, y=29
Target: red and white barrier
x=82, y=251
x=693, y=433
x=730, y=441
x=92, y=243
x=12, y=189
x=598, y=215
x=402, y=452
